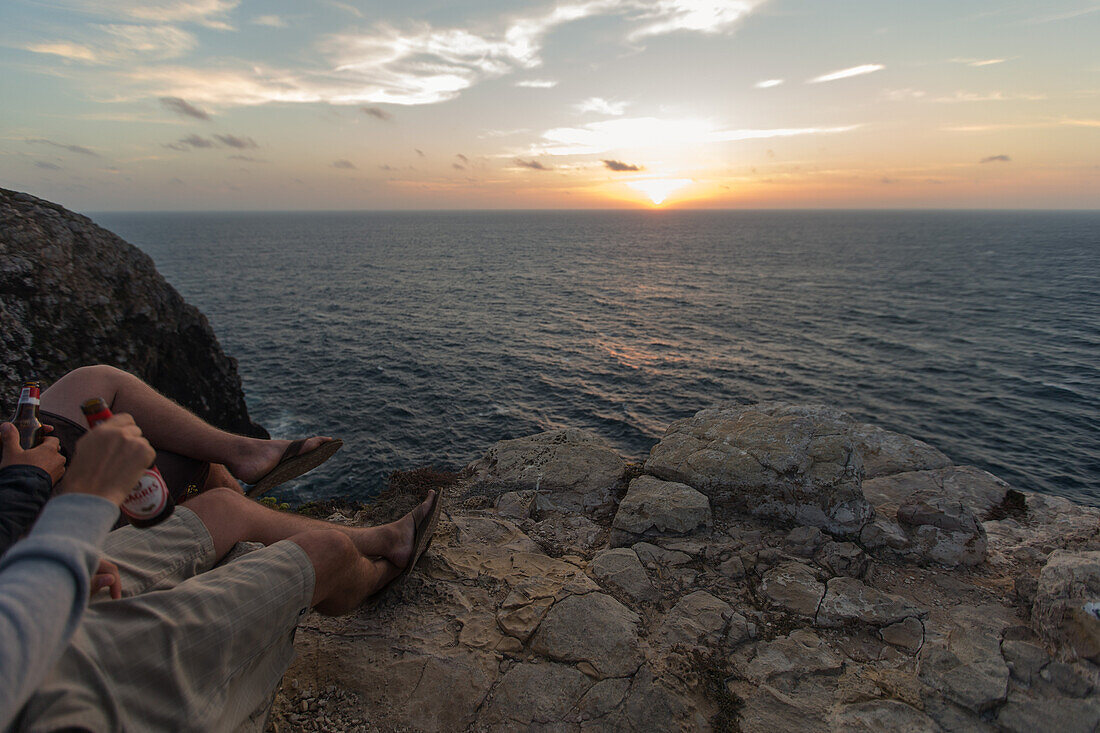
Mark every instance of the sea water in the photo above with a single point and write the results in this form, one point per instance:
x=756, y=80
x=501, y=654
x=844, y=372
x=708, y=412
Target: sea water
x=422, y=338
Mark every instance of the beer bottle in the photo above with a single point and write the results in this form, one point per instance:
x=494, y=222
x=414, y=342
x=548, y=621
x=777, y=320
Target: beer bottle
x=26, y=418
x=150, y=502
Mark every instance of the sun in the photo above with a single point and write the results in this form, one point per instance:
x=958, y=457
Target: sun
x=658, y=189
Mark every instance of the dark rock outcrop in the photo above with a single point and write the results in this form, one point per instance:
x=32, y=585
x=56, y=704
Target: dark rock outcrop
x=72, y=294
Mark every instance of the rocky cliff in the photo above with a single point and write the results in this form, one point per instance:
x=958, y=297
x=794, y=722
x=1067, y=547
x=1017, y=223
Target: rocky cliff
x=72, y=293
x=769, y=568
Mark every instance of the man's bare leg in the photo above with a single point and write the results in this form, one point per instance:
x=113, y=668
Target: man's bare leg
x=343, y=578
x=231, y=518
x=164, y=423
x=219, y=476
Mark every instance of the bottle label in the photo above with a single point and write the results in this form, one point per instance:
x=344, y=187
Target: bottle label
x=148, y=497
x=29, y=396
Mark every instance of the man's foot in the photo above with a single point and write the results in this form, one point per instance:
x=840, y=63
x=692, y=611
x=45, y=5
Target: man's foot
x=257, y=457
x=402, y=535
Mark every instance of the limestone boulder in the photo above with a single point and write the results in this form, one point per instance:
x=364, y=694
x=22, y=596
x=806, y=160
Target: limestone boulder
x=578, y=470
x=795, y=463
x=849, y=601
x=530, y=694
x=701, y=620
x=592, y=629
x=802, y=652
x=620, y=569
x=794, y=588
x=652, y=506
x=1066, y=609
x=886, y=452
x=927, y=527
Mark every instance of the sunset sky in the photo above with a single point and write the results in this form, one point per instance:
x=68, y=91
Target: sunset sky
x=113, y=105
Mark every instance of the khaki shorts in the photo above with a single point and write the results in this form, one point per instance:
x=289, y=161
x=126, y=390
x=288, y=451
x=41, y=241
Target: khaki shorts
x=189, y=647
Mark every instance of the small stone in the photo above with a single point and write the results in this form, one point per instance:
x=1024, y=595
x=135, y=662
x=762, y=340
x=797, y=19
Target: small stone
x=848, y=601
x=802, y=652
x=1024, y=660
x=733, y=568
x=1064, y=611
x=652, y=505
x=1067, y=679
x=883, y=716
x=793, y=587
x=804, y=541
x=593, y=628
x=698, y=619
x=1024, y=714
x=621, y=569
x=654, y=556
x=907, y=634
x=843, y=558
x=516, y=504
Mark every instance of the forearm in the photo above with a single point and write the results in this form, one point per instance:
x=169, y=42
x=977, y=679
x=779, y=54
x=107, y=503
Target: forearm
x=24, y=490
x=43, y=592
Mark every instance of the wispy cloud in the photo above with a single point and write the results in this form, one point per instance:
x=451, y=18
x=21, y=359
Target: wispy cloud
x=47, y=165
x=640, y=133
x=532, y=164
x=190, y=142
x=536, y=83
x=79, y=149
x=848, y=73
x=979, y=62
x=183, y=107
x=377, y=113
x=246, y=159
x=996, y=159
x=343, y=164
x=619, y=166
x=599, y=105
x=1068, y=15
x=768, y=83
x=271, y=21
x=424, y=64
x=120, y=43
x=209, y=13
x=232, y=141
x=961, y=96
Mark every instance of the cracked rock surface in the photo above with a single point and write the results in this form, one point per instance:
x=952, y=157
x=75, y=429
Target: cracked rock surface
x=530, y=613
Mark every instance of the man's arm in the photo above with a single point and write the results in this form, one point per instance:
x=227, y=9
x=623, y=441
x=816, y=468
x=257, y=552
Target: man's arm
x=26, y=477
x=44, y=577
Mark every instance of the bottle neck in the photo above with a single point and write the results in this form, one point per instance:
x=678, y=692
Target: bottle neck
x=97, y=417
x=30, y=395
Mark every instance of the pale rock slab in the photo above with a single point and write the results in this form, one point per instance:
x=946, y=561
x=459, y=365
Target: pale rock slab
x=802, y=652
x=843, y=558
x=621, y=569
x=907, y=634
x=849, y=601
x=882, y=716
x=925, y=526
x=794, y=588
x=789, y=462
x=700, y=620
x=1066, y=610
x=578, y=469
x=655, y=506
x=536, y=693
x=1025, y=714
x=885, y=452
x=593, y=628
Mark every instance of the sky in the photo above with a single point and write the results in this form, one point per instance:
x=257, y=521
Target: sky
x=121, y=105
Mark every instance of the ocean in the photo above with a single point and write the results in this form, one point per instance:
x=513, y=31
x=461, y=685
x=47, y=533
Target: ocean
x=422, y=338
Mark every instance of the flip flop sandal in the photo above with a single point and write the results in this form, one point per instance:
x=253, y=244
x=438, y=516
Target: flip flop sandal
x=293, y=464
x=422, y=540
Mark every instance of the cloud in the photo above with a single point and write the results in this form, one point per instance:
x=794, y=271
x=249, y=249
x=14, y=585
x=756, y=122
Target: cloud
x=80, y=149
x=996, y=159
x=536, y=83
x=978, y=62
x=119, y=44
x=768, y=83
x=636, y=133
x=246, y=159
x=419, y=152
x=599, y=105
x=961, y=96
x=377, y=112
x=209, y=13
x=271, y=21
x=458, y=166
x=47, y=165
x=532, y=164
x=462, y=157
x=903, y=95
x=703, y=16
x=190, y=142
x=343, y=164
x=182, y=107
x=619, y=166
x=232, y=141
x=847, y=73
x=418, y=63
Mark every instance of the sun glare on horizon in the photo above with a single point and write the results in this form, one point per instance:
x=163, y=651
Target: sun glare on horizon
x=658, y=189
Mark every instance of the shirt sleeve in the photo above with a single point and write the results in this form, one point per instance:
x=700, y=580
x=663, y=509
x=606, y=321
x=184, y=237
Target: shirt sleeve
x=44, y=584
x=24, y=490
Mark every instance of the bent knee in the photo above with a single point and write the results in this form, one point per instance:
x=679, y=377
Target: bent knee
x=221, y=498
x=327, y=548
x=99, y=373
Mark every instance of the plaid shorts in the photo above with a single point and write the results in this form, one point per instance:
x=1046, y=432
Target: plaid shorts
x=189, y=647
